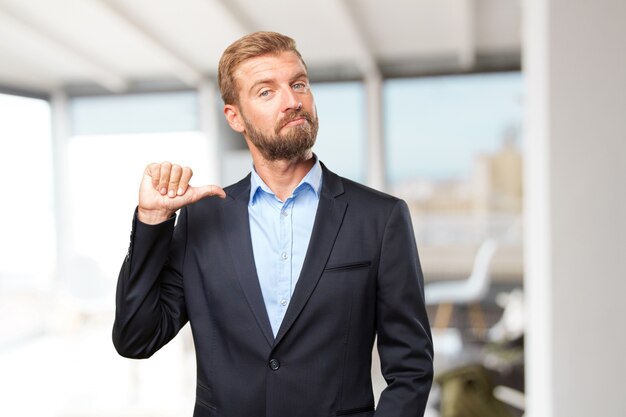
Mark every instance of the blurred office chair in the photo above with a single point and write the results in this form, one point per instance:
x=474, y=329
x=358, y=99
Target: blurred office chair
x=470, y=291
x=469, y=391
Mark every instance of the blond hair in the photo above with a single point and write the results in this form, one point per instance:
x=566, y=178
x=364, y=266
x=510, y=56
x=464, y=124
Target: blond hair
x=250, y=46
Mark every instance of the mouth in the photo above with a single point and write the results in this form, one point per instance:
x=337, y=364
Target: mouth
x=296, y=121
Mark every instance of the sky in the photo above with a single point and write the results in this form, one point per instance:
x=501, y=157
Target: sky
x=434, y=126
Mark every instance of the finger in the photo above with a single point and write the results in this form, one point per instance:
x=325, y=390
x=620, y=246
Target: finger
x=207, y=191
x=175, y=174
x=184, y=180
x=153, y=170
x=164, y=178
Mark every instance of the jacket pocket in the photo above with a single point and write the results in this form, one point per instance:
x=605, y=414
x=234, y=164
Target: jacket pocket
x=357, y=412
x=348, y=266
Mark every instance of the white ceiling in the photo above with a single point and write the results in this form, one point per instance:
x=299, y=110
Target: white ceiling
x=115, y=45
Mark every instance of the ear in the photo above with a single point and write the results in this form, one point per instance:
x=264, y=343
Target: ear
x=233, y=117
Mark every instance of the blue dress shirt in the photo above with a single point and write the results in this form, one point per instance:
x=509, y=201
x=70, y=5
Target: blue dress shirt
x=280, y=238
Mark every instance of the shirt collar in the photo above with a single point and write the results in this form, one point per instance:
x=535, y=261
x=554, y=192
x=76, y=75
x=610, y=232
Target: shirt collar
x=312, y=181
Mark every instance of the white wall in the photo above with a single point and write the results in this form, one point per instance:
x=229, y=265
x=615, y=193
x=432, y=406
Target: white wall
x=575, y=69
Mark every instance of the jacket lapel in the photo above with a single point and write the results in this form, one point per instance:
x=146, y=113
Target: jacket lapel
x=328, y=219
x=236, y=228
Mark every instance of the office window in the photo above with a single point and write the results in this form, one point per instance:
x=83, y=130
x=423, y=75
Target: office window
x=436, y=126
x=454, y=154
x=342, y=137
x=27, y=246
x=134, y=113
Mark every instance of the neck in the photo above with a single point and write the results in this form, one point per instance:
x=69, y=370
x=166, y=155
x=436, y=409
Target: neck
x=282, y=176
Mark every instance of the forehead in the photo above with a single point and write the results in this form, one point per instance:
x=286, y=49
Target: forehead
x=269, y=67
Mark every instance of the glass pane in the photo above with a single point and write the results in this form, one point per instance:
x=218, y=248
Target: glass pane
x=436, y=126
x=135, y=113
x=26, y=168
x=27, y=248
x=454, y=153
x=341, y=141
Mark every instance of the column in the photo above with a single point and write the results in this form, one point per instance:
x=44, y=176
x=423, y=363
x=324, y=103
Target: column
x=575, y=214
x=207, y=108
x=376, y=175
x=61, y=132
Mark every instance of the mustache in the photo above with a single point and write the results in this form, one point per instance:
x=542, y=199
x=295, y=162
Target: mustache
x=293, y=115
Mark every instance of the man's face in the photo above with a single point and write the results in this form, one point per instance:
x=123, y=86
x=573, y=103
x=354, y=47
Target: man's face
x=276, y=106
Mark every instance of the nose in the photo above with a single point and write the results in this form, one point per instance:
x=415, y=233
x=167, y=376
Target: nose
x=291, y=101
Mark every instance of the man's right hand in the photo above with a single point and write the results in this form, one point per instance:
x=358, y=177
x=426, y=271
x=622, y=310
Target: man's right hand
x=165, y=188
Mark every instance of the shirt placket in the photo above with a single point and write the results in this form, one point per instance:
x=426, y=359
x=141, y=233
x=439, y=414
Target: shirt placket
x=285, y=253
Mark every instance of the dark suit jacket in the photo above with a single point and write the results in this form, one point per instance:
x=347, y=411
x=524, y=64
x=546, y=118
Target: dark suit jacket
x=361, y=278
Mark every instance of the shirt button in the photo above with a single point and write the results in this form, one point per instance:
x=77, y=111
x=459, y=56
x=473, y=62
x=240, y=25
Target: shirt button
x=274, y=364
x=283, y=256
x=283, y=302
x=284, y=213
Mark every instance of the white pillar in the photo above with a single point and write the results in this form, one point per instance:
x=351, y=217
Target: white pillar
x=575, y=214
x=61, y=132
x=207, y=107
x=467, y=32
x=376, y=176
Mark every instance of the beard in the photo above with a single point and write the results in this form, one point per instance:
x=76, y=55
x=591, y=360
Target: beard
x=292, y=145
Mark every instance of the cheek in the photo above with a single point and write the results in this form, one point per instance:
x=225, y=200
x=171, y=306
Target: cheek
x=312, y=107
x=266, y=116
x=262, y=121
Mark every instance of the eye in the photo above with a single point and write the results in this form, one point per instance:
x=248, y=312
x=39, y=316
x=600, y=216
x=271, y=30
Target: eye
x=299, y=86
x=264, y=93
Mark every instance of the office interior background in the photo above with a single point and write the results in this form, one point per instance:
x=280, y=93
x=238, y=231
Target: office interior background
x=500, y=122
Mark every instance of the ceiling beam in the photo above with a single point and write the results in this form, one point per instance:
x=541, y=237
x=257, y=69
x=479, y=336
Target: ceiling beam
x=245, y=22
x=22, y=69
x=183, y=69
x=372, y=79
x=99, y=72
x=23, y=92
x=365, y=57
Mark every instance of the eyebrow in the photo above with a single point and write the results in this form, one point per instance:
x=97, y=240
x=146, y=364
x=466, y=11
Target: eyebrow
x=299, y=75
x=261, y=82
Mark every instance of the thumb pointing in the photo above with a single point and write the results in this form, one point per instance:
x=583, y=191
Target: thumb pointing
x=207, y=191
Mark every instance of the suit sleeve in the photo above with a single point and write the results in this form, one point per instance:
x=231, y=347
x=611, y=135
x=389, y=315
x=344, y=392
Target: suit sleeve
x=150, y=302
x=404, y=338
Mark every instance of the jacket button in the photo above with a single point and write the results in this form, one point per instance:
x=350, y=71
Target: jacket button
x=274, y=364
